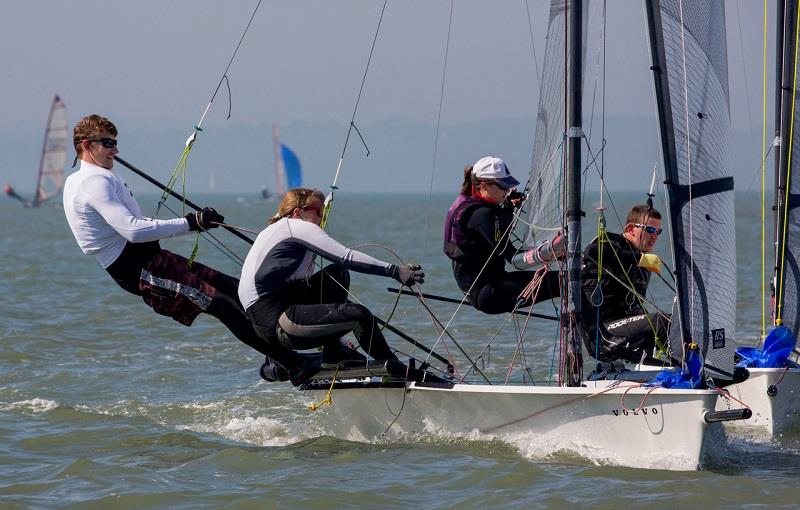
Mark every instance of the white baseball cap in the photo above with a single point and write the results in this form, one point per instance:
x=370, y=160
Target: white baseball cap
x=493, y=168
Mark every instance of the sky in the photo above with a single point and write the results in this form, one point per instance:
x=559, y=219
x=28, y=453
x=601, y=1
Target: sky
x=151, y=66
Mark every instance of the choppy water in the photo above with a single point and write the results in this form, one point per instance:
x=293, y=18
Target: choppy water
x=103, y=403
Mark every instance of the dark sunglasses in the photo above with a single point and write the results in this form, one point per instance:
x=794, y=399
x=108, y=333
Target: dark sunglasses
x=108, y=143
x=649, y=229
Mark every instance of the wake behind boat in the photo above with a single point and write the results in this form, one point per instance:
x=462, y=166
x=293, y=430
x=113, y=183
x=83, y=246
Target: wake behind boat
x=50, y=177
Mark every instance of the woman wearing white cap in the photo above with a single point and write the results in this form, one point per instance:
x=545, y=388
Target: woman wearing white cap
x=476, y=240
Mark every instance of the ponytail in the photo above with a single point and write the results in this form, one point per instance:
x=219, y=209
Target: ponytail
x=466, y=185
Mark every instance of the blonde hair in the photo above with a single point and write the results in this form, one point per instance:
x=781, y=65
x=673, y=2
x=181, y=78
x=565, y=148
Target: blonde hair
x=90, y=127
x=296, y=198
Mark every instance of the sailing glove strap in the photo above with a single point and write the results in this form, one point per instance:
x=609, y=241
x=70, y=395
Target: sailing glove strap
x=204, y=219
x=408, y=274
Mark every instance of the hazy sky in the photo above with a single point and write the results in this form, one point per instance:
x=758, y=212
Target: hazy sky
x=152, y=65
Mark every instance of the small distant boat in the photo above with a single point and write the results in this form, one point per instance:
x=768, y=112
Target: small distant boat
x=288, y=172
x=50, y=179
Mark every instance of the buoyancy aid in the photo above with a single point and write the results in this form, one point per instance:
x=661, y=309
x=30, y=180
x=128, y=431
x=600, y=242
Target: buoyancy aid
x=454, y=236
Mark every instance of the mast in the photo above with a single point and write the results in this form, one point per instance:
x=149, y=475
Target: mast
x=574, y=135
x=786, y=18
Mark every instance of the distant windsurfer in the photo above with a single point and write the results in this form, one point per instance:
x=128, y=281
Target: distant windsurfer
x=476, y=239
x=614, y=312
x=107, y=222
x=290, y=305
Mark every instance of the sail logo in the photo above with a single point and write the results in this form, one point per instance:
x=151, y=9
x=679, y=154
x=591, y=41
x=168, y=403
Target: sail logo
x=717, y=338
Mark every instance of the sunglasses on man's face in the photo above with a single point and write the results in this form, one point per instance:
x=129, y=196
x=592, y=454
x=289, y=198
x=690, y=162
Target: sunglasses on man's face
x=108, y=143
x=649, y=229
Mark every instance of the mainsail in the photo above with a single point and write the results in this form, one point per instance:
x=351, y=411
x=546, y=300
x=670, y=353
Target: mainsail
x=690, y=67
x=288, y=173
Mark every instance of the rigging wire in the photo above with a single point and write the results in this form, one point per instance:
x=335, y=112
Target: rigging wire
x=436, y=137
x=533, y=46
x=764, y=177
x=180, y=168
x=326, y=210
x=688, y=163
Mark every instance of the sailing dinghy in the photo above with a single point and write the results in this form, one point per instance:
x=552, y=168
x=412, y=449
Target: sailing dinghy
x=50, y=178
x=772, y=392
x=609, y=422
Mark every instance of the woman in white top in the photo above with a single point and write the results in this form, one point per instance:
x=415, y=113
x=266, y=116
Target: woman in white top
x=290, y=305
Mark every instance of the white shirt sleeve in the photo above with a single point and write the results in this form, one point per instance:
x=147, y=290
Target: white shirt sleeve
x=104, y=200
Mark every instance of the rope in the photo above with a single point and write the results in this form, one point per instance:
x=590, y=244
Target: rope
x=328, y=400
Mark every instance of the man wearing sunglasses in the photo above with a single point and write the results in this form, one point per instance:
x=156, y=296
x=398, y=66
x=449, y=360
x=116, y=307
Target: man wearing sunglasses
x=107, y=222
x=616, y=322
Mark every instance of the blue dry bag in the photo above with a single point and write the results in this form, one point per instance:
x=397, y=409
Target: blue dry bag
x=778, y=345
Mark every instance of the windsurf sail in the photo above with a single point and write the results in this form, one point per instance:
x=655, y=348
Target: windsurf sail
x=50, y=179
x=690, y=69
x=288, y=172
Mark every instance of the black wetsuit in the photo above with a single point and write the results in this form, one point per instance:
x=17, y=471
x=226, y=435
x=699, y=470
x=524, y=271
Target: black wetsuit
x=612, y=312
x=483, y=232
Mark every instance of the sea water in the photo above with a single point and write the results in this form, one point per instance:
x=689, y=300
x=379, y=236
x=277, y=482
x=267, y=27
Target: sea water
x=105, y=404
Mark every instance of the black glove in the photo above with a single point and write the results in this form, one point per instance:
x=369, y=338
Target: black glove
x=408, y=274
x=514, y=199
x=204, y=219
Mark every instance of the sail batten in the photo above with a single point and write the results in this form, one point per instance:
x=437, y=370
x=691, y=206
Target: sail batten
x=688, y=51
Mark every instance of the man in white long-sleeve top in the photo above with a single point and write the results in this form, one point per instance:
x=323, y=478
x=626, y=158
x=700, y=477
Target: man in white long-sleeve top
x=107, y=222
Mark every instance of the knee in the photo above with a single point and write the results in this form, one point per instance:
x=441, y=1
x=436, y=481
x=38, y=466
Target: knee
x=355, y=311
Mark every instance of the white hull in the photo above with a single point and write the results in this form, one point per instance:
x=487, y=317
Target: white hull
x=771, y=414
x=666, y=433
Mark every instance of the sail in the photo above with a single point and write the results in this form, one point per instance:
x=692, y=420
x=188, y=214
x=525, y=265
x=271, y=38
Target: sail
x=690, y=67
x=50, y=179
x=787, y=181
x=544, y=208
x=288, y=173
x=291, y=167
